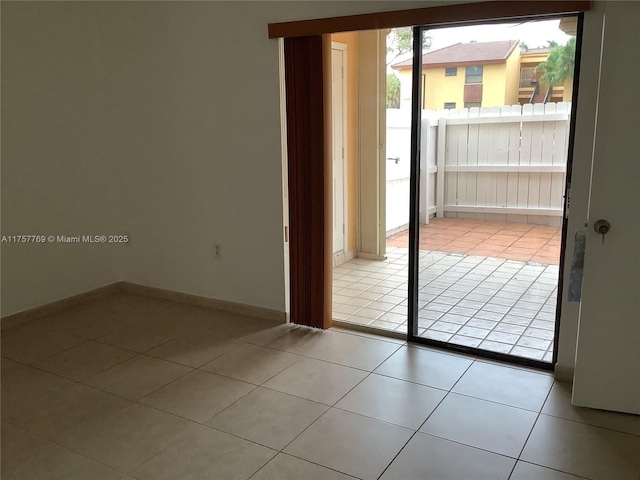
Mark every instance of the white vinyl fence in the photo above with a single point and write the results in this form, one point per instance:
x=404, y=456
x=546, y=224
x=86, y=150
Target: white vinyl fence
x=499, y=163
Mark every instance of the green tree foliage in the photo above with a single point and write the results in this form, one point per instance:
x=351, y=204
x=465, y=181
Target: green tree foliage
x=400, y=41
x=393, y=91
x=559, y=64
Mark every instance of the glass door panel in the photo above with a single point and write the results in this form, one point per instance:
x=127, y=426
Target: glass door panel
x=491, y=118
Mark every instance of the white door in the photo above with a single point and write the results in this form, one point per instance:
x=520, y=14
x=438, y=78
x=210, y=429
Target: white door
x=607, y=371
x=338, y=60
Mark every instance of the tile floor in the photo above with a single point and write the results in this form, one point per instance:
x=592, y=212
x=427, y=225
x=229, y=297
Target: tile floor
x=511, y=241
x=500, y=305
x=135, y=388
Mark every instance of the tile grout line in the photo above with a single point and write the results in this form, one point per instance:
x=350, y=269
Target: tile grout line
x=496, y=267
x=493, y=296
x=64, y=447
x=463, y=298
x=533, y=426
x=339, y=399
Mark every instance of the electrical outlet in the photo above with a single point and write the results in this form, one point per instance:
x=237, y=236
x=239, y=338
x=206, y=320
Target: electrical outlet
x=217, y=250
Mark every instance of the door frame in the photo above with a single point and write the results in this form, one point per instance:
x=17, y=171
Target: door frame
x=285, y=180
x=414, y=195
x=319, y=271
x=345, y=157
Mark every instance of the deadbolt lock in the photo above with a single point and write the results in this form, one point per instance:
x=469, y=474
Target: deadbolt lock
x=602, y=227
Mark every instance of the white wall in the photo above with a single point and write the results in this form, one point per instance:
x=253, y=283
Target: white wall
x=60, y=173
x=398, y=144
x=159, y=119
x=202, y=152
x=204, y=147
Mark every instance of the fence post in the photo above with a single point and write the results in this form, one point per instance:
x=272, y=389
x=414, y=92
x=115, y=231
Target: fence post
x=440, y=160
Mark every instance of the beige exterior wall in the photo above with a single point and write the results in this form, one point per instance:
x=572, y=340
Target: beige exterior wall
x=567, y=95
x=494, y=80
x=512, y=71
x=439, y=88
x=499, y=85
x=372, y=134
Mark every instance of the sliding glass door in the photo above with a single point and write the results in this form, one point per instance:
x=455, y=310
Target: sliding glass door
x=490, y=128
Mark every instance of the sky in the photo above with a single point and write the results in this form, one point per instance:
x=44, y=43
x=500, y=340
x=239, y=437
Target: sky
x=533, y=33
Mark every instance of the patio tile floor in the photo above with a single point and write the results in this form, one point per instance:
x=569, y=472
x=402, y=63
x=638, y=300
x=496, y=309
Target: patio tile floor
x=497, y=304
x=511, y=241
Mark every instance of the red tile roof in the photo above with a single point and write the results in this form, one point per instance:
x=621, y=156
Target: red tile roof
x=465, y=54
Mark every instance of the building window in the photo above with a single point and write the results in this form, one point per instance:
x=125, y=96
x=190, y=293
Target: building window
x=449, y=105
x=527, y=77
x=473, y=74
x=451, y=72
x=472, y=104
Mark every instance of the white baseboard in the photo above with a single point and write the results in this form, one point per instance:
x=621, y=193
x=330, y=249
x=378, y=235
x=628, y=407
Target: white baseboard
x=355, y=327
x=395, y=230
x=343, y=257
x=59, y=305
x=371, y=256
x=214, y=303
x=225, y=306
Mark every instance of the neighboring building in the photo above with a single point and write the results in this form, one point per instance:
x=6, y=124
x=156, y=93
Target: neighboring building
x=477, y=74
x=481, y=74
x=530, y=90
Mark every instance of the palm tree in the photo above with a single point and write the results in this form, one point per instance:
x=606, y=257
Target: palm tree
x=559, y=64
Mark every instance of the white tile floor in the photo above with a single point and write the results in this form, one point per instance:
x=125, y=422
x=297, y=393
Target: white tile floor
x=494, y=304
x=219, y=396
